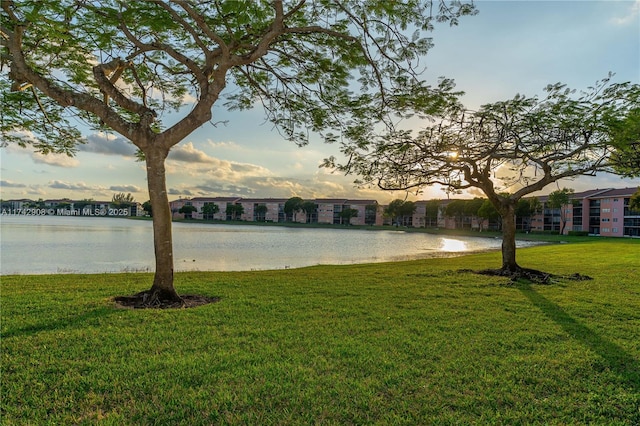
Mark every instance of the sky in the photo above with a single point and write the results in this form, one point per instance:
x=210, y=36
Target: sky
x=509, y=47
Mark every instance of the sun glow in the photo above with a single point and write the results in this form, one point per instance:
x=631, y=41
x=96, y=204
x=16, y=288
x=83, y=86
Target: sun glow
x=453, y=245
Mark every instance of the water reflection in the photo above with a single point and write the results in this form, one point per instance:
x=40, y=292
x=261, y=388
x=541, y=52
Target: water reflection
x=51, y=244
x=451, y=245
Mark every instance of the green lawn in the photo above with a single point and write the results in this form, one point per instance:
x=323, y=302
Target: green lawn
x=414, y=343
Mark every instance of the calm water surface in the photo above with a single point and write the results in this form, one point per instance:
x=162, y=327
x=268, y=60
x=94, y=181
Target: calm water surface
x=55, y=244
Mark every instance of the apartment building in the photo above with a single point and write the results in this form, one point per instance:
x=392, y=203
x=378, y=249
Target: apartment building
x=598, y=212
x=199, y=202
x=327, y=210
x=602, y=212
x=330, y=211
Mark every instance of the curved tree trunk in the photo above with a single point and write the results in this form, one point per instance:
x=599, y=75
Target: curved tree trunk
x=509, y=238
x=162, y=239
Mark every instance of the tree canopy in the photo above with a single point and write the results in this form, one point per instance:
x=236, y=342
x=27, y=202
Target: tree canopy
x=209, y=210
x=234, y=211
x=488, y=211
x=147, y=207
x=122, y=199
x=528, y=207
x=626, y=157
x=558, y=199
x=522, y=144
x=432, y=209
x=187, y=210
x=400, y=211
x=337, y=69
x=124, y=66
x=260, y=212
x=292, y=205
x=507, y=149
x=347, y=214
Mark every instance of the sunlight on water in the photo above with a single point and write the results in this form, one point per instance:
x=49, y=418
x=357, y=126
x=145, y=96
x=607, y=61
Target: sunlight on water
x=451, y=245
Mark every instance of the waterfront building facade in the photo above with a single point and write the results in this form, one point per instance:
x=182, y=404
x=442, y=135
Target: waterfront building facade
x=602, y=212
x=598, y=212
x=595, y=212
x=327, y=210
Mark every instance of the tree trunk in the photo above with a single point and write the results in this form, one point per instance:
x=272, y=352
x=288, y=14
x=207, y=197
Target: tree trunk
x=563, y=224
x=509, y=238
x=162, y=288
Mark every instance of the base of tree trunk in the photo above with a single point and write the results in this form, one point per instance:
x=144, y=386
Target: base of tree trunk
x=153, y=299
x=532, y=275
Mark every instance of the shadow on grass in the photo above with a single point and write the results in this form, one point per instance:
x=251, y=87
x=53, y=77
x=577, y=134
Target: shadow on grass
x=614, y=357
x=71, y=321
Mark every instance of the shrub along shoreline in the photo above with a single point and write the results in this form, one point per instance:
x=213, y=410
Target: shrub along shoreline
x=415, y=342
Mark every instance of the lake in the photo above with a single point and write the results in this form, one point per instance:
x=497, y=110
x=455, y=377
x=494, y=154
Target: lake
x=58, y=244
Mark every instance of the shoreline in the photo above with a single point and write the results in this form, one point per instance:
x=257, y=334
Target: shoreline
x=132, y=270
x=520, y=235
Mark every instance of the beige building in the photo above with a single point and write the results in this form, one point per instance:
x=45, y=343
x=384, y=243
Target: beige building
x=596, y=212
x=272, y=210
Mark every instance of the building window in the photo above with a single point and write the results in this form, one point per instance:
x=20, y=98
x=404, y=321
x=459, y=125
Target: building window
x=606, y=210
x=615, y=200
x=615, y=219
x=605, y=219
x=615, y=230
x=604, y=229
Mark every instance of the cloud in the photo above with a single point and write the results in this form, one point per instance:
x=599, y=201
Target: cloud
x=185, y=192
x=475, y=193
x=56, y=160
x=124, y=188
x=10, y=184
x=225, y=190
x=226, y=145
x=21, y=191
x=316, y=186
x=80, y=186
x=108, y=144
x=189, y=154
x=188, y=98
x=197, y=164
x=36, y=190
x=286, y=187
x=631, y=17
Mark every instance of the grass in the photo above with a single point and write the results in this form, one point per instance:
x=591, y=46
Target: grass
x=401, y=343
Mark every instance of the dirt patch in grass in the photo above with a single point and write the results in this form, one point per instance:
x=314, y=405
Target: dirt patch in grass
x=142, y=301
x=533, y=275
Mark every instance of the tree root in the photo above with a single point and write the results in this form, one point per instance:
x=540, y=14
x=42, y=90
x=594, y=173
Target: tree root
x=532, y=275
x=152, y=299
